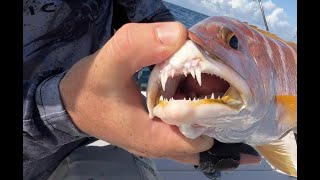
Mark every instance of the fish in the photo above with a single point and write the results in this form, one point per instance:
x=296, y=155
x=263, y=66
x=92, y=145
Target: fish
x=234, y=82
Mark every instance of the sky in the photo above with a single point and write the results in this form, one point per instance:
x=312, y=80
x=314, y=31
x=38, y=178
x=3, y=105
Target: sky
x=281, y=15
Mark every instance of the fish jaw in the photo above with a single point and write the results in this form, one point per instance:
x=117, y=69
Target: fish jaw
x=186, y=113
x=193, y=117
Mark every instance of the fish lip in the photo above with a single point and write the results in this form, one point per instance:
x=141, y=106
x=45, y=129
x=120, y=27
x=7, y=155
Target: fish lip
x=235, y=81
x=153, y=88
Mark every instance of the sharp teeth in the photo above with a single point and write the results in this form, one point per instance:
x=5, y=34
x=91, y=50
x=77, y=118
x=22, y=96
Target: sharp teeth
x=212, y=96
x=172, y=72
x=198, y=75
x=192, y=73
x=185, y=72
x=161, y=98
x=164, y=78
x=184, y=98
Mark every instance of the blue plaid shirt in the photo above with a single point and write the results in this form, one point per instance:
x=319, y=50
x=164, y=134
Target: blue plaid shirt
x=56, y=34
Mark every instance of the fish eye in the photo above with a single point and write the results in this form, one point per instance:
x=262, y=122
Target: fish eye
x=230, y=38
x=233, y=42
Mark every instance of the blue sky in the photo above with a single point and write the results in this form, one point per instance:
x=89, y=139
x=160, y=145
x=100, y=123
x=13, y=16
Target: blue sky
x=289, y=6
x=281, y=14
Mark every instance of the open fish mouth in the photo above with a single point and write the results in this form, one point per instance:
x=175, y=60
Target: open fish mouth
x=198, y=88
x=194, y=77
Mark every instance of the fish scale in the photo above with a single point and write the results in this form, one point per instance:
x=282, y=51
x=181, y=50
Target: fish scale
x=259, y=106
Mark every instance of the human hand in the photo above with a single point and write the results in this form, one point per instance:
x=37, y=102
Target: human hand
x=104, y=101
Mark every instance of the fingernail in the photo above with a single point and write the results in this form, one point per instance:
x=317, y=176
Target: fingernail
x=168, y=33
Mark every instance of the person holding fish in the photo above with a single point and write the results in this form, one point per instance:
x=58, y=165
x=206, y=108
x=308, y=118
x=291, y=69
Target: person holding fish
x=78, y=86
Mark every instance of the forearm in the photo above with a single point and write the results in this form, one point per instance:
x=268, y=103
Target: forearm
x=46, y=124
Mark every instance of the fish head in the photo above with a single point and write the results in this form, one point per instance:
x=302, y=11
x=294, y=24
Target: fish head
x=220, y=80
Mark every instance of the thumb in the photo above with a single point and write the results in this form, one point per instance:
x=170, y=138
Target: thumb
x=139, y=45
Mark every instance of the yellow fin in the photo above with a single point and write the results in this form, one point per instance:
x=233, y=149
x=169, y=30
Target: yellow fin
x=281, y=154
x=286, y=111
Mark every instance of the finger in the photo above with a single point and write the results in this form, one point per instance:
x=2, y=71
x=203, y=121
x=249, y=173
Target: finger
x=188, y=159
x=194, y=159
x=173, y=143
x=249, y=159
x=139, y=45
x=151, y=138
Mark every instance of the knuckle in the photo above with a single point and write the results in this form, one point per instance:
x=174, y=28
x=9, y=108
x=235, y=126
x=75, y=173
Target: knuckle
x=123, y=40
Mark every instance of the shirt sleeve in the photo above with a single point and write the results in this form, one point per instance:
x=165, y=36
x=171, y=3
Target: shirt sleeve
x=46, y=124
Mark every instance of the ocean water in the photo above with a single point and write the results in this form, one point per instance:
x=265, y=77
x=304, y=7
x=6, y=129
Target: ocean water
x=188, y=18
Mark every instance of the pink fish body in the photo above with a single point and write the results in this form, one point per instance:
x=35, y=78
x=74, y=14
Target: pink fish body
x=232, y=82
